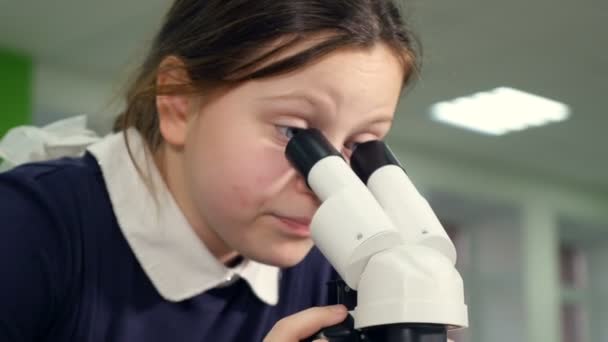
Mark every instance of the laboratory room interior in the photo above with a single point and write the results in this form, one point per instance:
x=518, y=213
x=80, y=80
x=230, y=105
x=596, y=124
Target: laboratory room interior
x=503, y=131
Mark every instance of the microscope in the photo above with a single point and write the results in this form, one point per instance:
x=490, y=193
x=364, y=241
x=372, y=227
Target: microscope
x=395, y=260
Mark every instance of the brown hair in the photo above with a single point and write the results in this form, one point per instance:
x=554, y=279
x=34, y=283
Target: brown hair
x=229, y=41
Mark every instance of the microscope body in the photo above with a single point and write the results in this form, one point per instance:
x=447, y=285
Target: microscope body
x=384, y=240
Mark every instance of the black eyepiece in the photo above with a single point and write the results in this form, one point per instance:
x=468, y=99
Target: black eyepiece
x=306, y=148
x=370, y=156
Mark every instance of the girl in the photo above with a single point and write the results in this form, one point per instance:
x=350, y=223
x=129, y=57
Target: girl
x=189, y=224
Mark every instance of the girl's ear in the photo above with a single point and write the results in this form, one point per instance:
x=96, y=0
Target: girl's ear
x=173, y=109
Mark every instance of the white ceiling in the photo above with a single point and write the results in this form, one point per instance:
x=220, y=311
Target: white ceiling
x=556, y=49
x=99, y=38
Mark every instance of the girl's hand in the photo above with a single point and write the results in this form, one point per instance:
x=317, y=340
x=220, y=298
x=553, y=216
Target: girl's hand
x=305, y=323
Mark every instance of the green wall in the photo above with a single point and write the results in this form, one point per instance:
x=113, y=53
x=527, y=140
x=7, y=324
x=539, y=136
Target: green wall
x=15, y=90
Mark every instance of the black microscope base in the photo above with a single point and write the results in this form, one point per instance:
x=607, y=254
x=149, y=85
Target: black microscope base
x=406, y=333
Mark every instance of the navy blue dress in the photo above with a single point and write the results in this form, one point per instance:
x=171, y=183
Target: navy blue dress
x=68, y=274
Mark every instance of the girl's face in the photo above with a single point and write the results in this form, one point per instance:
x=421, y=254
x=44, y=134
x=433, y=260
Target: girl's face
x=238, y=180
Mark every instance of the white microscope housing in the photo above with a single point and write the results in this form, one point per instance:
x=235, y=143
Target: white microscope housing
x=381, y=235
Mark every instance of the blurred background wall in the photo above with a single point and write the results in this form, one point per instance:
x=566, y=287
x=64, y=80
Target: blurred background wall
x=528, y=210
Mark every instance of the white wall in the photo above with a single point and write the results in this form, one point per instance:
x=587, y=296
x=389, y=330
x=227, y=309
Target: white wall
x=598, y=272
x=494, y=281
x=60, y=93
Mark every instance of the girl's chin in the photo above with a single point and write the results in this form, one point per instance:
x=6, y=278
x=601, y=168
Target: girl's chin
x=283, y=257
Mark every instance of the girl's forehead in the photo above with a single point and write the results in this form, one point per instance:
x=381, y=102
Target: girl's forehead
x=373, y=74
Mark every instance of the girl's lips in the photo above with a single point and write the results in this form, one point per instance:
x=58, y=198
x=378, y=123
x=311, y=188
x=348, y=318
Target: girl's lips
x=295, y=225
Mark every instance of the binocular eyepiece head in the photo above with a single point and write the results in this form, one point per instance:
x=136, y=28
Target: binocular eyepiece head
x=309, y=146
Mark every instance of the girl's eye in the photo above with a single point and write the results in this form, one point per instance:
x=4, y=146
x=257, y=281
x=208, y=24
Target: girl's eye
x=351, y=146
x=288, y=132
x=348, y=149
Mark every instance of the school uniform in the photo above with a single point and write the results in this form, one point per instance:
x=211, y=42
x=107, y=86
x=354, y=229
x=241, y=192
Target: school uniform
x=89, y=252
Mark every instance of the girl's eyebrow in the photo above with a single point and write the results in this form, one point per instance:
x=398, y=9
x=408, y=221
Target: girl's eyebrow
x=375, y=122
x=381, y=120
x=319, y=103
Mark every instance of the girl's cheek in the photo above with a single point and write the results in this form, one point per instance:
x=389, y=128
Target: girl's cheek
x=252, y=185
x=270, y=167
x=240, y=197
x=266, y=172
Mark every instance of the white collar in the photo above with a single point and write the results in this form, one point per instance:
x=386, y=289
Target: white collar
x=174, y=258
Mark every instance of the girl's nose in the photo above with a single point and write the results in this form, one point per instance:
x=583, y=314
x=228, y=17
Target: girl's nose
x=301, y=186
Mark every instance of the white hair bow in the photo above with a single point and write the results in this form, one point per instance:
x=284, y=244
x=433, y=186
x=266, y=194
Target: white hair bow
x=65, y=138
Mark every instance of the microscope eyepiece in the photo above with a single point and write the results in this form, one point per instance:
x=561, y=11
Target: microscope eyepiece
x=370, y=156
x=306, y=148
